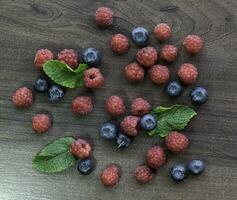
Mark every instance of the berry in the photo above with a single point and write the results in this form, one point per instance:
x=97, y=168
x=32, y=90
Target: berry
x=187, y=73
x=130, y=125
x=159, y=74
x=143, y=174
x=140, y=107
x=69, y=57
x=91, y=57
x=147, y=56
x=55, y=93
x=42, y=56
x=173, y=89
x=23, y=98
x=178, y=172
x=193, y=44
x=115, y=105
x=169, y=53
x=80, y=149
x=162, y=32
x=119, y=43
x=82, y=105
x=148, y=122
x=93, y=78
x=41, y=84
x=104, y=17
x=110, y=175
x=109, y=131
x=199, y=95
x=140, y=36
x=155, y=157
x=123, y=141
x=85, y=166
x=196, y=167
x=41, y=123
x=134, y=72
x=176, y=142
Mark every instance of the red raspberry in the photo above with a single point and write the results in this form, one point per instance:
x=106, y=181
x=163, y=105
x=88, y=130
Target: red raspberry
x=162, y=32
x=110, y=175
x=93, y=78
x=134, y=72
x=159, y=74
x=82, y=105
x=147, y=56
x=193, y=44
x=23, y=97
x=140, y=107
x=143, y=174
x=115, y=105
x=155, y=157
x=80, y=149
x=104, y=16
x=119, y=43
x=69, y=57
x=42, y=56
x=130, y=125
x=188, y=73
x=169, y=53
x=176, y=142
x=41, y=123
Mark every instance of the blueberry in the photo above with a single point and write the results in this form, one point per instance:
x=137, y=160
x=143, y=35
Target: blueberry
x=178, y=172
x=196, y=167
x=91, y=56
x=173, y=89
x=199, y=95
x=109, y=131
x=41, y=84
x=85, y=166
x=123, y=141
x=55, y=93
x=148, y=122
x=140, y=36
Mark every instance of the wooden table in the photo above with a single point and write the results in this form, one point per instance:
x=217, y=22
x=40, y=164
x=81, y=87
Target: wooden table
x=26, y=26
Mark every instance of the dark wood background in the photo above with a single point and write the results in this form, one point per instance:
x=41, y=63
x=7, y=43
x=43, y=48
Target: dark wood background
x=26, y=26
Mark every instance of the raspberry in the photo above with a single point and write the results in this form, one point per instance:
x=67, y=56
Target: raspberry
x=169, y=53
x=42, y=56
x=187, y=73
x=93, y=78
x=119, y=43
x=23, y=97
x=176, y=142
x=69, y=57
x=147, y=56
x=110, y=175
x=115, y=105
x=159, y=74
x=104, y=17
x=41, y=123
x=193, y=44
x=130, y=125
x=80, y=149
x=134, y=72
x=143, y=174
x=155, y=157
x=82, y=105
x=140, y=107
x=162, y=32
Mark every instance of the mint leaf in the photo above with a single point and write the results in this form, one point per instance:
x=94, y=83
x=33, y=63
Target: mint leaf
x=174, y=118
x=55, y=157
x=64, y=75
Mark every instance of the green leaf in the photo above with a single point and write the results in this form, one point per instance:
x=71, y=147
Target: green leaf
x=174, y=118
x=64, y=75
x=55, y=157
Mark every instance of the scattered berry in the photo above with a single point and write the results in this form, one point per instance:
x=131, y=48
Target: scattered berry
x=134, y=72
x=93, y=78
x=23, y=97
x=173, y=89
x=123, y=141
x=169, y=53
x=55, y=93
x=155, y=157
x=140, y=36
x=80, y=149
x=188, y=73
x=140, y=107
x=110, y=175
x=41, y=84
x=91, y=56
x=130, y=125
x=82, y=105
x=162, y=32
x=41, y=123
x=178, y=172
x=193, y=44
x=148, y=122
x=143, y=174
x=199, y=95
x=196, y=167
x=109, y=131
x=69, y=57
x=147, y=56
x=115, y=105
x=119, y=43
x=85, y=166
x=104, y=17
x=159, y=74
x=42, y=56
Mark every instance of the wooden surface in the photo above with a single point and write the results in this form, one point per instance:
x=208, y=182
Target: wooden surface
x=26, y=26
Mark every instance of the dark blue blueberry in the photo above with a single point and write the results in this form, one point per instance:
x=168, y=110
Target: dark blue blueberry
x=85, y=166
x=178, y=172
x=196, y=167
x=173, y=89
x=91, y=56
x=199, y=95
x=148, y=122
x=140, y=36
x=55, y=93
x=123, y=141
x=41, y=84
x=109, y=131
